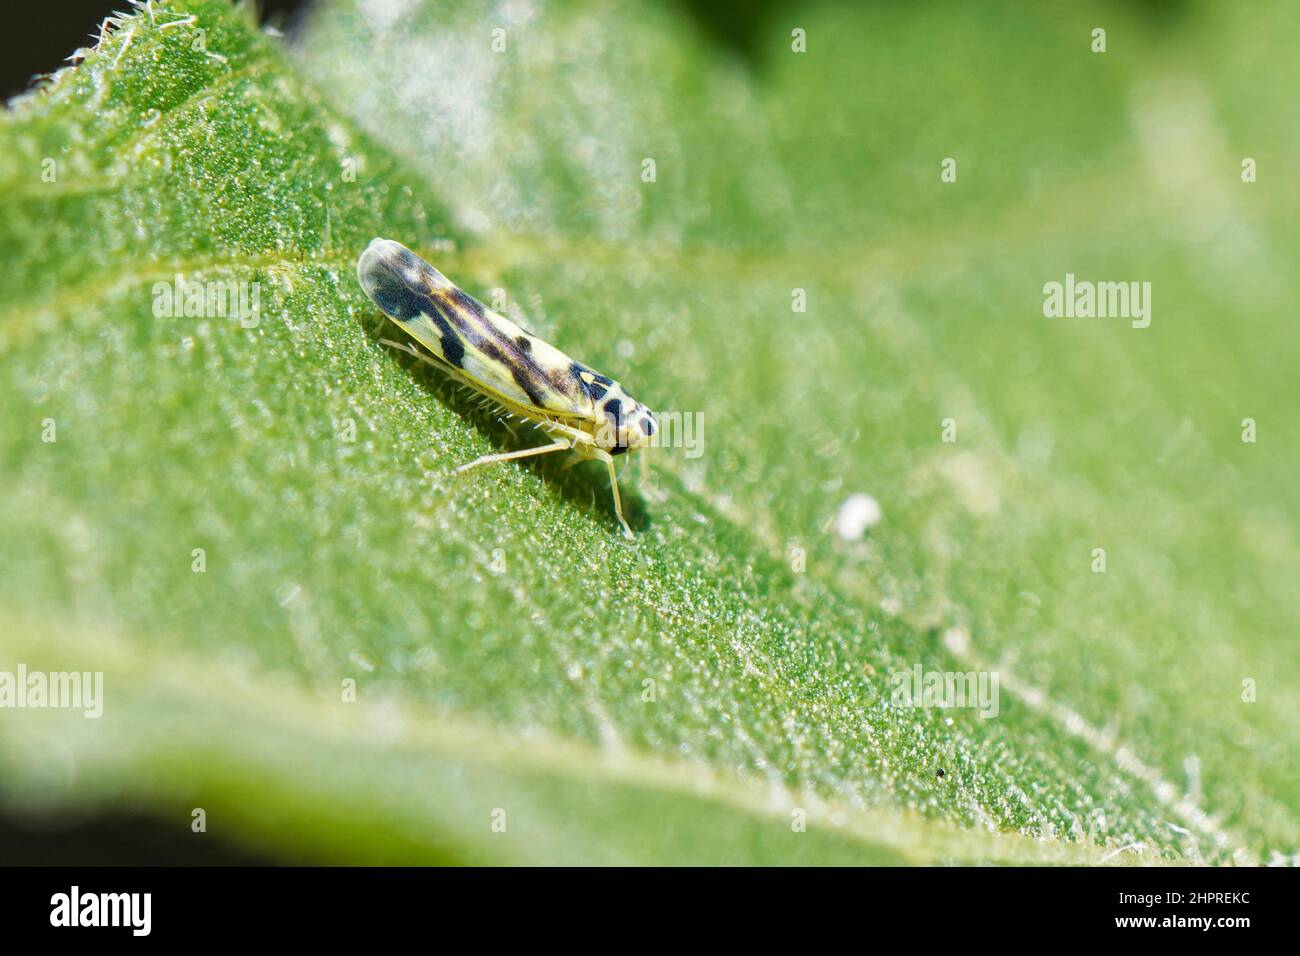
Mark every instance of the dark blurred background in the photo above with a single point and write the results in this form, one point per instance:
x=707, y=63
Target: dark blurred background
x=64, y=25
x=54, y=30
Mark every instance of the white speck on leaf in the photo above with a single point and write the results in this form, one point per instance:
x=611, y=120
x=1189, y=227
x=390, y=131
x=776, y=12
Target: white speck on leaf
x=856, y=516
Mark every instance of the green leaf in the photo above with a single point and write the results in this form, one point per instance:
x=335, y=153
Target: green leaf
x=688, y=697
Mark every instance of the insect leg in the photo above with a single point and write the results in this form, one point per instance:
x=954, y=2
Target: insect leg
x=412, y=350
x=618, y=502
x=558, y=445
x=400, y=346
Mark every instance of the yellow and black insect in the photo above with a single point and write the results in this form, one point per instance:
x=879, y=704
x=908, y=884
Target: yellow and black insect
x=584, y=411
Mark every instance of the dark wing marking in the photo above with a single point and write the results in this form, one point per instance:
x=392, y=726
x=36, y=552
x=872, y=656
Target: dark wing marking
x=487, y=351
x=498, y=340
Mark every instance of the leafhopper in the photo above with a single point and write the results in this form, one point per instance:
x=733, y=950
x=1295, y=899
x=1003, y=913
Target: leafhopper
x=578, y=408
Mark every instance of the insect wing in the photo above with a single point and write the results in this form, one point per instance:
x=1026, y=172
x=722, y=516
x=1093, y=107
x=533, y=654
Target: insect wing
x=487, y=350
